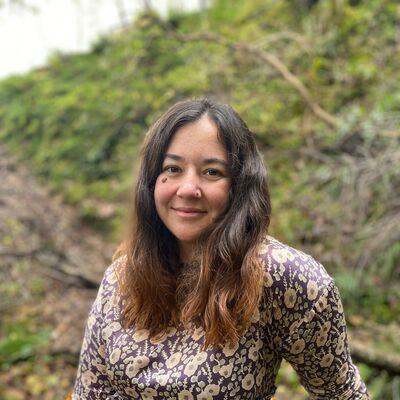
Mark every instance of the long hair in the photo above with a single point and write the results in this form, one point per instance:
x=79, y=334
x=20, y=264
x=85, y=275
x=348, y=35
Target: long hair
x=222, y=290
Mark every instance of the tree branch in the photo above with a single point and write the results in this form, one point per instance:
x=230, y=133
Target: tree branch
x=363, y=353
x=262, y=55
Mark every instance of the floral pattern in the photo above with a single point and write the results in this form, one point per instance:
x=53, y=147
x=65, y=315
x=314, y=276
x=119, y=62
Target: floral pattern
x=300, y=319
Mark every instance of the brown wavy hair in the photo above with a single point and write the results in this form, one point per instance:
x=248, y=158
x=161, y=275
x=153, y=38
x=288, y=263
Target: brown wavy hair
x=221, y=290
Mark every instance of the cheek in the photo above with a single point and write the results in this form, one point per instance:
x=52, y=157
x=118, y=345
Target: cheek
x=220, y=198
x=162, y=193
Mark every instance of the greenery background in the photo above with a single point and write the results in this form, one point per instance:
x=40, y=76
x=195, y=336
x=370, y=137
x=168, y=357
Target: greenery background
x=334, y=174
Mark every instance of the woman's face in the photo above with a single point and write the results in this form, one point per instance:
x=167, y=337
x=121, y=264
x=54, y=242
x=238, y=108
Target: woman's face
x=192, y=189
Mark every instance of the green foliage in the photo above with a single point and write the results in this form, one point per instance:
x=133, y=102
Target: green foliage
x=364, y=292
x=20, y=341
x=81, y=120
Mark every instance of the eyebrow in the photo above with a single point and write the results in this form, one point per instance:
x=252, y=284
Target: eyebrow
x=212, y=160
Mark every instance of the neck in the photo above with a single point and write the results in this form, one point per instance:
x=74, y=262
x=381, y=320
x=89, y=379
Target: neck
x=186, y=252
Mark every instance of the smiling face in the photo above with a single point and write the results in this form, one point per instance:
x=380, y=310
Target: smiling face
x=192, y=189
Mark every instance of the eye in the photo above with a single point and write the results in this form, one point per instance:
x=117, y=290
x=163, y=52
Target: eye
x=213, y=172
x=171, y=169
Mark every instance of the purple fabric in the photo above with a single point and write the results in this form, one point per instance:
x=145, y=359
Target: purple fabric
x=300, y=319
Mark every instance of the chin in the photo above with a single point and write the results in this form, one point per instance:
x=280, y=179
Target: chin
x=189, y=238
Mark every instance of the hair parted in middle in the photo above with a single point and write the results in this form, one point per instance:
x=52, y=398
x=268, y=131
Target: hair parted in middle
x=222, y=290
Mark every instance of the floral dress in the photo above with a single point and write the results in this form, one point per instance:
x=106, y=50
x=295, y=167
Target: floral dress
x=300, y=319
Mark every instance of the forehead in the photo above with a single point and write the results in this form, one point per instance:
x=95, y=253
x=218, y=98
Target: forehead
x=200, y=136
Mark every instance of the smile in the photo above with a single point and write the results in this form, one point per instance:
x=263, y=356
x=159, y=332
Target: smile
x=188, y=212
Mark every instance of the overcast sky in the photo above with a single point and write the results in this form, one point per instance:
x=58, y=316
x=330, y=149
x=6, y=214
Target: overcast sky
x=29, y=36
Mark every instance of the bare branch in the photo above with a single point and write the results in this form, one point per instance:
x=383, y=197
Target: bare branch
x=374, y=358
x=284, y=35
x=262, y=55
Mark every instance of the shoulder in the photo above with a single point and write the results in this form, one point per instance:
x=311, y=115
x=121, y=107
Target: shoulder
x=111, y=275
x=291, y=274
x=108, y=293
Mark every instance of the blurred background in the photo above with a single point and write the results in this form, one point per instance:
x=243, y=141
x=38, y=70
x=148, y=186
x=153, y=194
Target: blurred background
x=82, y=80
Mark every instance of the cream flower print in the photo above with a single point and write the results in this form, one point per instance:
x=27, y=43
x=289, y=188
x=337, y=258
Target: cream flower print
x=141, y=361
x=282, y=255
x=115, y=356
x=162, y=379
x=204, y=396
x=160, y=338
x=277, y=342
x=131, y=370
x=342, y=373
x=88, y=377
x=137, y=363
x=149, y=393
x=309, y=315
x=302, y=278
x=112, y=279
x=110, y=328
x=322, y=303
x=300, y=319
x=190, y=368
x=201, y=357
x=322, y=337
x=230, y=349
x=327, y=360
x=109, y=303
x=260, y=376
x=91, y=321
x=193, y=364
x=101, y=367
x=185, y=395
x=295, y=326
x=299, y=359
x=216, y=368
x=312, y=290
x=248, y=382
x=277, y=313
x=268, y=281
x=253, y=353
x=317, y=381
x=211, y=389
x=290, y=298
x=173, y=360
x=340, y=346
x=198, y=333
x=140, y=335
x=298, y=346
x=226, y=370
x=340, y=306
x=131, y=392
x=171, y=330
x=326, y=326
x=259, y=344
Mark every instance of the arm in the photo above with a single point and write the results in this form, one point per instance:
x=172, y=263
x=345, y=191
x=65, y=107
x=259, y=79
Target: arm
x=316, y=345
x=92, y=380
x=308, y=324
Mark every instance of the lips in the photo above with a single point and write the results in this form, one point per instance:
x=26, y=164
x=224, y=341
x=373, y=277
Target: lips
x=188, y=211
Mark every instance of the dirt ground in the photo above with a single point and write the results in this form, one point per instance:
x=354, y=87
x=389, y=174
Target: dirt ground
x=50, y=265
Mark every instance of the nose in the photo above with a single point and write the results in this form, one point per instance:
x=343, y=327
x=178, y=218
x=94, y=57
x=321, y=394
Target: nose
x=188, y=188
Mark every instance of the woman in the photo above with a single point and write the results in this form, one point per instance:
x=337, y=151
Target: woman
x=200, y=303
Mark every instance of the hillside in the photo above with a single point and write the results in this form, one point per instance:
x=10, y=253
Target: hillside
x=317, y=84
x=316, y=81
